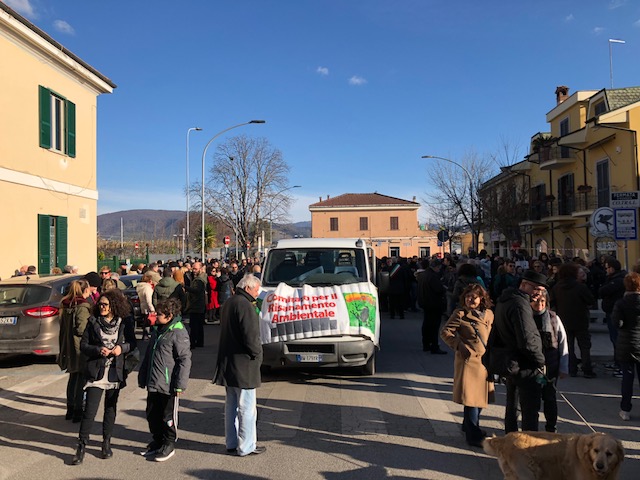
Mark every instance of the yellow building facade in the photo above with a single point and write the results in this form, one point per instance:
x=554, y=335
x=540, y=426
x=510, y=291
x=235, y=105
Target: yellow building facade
x=580, y=173
x=389, y=224
x=47, y=150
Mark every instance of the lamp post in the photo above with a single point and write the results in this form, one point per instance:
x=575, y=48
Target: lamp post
x=197, y=129
x=473, y=231
x=204, y=154
x=271, y=210
x=612, y=40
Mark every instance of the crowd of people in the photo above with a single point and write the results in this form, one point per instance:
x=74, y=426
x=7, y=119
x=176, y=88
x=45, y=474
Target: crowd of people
x=518, y=320
x=99, y=348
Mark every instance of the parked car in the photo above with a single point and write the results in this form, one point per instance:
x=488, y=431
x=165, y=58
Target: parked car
x=130, y=292
x=30, y=313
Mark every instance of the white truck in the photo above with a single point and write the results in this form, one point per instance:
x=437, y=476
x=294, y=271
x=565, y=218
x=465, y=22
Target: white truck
x=319, y=304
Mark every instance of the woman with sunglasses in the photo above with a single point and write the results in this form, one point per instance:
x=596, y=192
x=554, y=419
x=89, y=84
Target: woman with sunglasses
x=105, y=345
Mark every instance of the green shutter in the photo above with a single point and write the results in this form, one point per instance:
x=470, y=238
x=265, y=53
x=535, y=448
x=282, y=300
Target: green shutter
x=45, y=117
x=71, y=128
x=44, y=244
x=61, y=241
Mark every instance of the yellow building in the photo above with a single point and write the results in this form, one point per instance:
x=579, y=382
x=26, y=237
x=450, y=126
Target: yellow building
x=572, y=171
x=389, y=224
x=47, y=150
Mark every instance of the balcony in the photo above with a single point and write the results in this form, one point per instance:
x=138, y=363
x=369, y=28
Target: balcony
x=585, y=204
x=551, y=158
x=565, y=209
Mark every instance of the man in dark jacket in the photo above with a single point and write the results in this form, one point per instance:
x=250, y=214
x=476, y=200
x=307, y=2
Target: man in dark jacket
x=432, y=300
x=197, y=304
x=515, y=331
x=167, y=287
x=610, y=292
x=238, y=367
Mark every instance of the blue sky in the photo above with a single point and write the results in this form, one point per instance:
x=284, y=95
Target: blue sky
x=354, y=92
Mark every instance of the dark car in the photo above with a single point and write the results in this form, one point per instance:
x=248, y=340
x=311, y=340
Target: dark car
x=30, y=313
x=130, y=292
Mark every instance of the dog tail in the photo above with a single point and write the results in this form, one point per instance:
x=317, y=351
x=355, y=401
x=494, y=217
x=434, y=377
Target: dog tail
x=489, y=445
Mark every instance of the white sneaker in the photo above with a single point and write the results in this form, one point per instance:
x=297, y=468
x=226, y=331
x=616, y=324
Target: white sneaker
x=626, y=416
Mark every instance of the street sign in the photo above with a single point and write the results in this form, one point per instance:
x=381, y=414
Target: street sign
x=443, y=235
x=602, y=222
x=227, y=239
x=625, y=200
x=625, y=223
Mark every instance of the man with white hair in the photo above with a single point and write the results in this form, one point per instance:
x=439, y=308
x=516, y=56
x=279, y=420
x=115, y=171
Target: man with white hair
x=238, y=367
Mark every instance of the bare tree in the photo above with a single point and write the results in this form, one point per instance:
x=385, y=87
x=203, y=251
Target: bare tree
x=508, y=152
x=455, y=191
x=246, y=186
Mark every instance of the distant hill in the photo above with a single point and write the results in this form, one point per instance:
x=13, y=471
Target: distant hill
x=144, y=225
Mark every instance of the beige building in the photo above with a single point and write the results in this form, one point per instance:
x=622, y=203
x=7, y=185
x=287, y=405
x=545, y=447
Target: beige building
x=389, y=224
x=589, y=153
x=47, y=150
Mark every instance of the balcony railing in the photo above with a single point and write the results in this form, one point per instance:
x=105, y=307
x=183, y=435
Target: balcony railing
x=563, y=206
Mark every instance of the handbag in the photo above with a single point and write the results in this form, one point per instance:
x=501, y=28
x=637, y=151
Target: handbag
x=131, y=360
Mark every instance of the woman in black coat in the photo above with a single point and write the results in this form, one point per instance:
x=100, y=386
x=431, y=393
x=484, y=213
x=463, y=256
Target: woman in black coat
x=626, y=315
x=571, y=301
x=105, y=343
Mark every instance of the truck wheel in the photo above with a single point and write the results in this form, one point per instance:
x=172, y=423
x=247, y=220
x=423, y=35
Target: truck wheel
x=369, y=368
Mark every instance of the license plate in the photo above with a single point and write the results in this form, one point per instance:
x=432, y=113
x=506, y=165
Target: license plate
x=309, y=357
x=8, y=320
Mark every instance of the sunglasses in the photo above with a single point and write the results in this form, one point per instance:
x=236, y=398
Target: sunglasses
x=101, y=305
x=105, y=273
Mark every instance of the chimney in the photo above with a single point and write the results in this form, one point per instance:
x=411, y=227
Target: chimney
x=562, y=93
x=320, y=198
x=414, y=198
x=327, y=197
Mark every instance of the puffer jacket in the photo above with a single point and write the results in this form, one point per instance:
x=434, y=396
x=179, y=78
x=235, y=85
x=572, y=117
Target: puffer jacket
x=167, y=361
x=626, y=314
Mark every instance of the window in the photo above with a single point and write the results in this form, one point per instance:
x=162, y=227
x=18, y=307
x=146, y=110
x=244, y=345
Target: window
x=394, y=223
x=600, y=108
x=564, y=130
x=425, y=252
x=364, y=223
x=57, y=122
x=538, y=202
x=602, y=177
x=394, y=251
x=333, y=224
x=566, y=201
x=52, y=243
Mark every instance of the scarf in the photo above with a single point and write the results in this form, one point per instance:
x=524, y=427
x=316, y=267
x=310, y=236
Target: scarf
x=109, y=327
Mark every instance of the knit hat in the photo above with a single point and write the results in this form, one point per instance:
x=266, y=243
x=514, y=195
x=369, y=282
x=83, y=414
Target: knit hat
x=94, y=279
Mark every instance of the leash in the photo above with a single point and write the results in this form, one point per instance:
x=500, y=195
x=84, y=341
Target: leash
x=584, y=420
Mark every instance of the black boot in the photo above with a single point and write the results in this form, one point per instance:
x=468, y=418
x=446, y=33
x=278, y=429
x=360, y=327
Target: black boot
x=106, y=448
x=79, y=456
x=69, y=414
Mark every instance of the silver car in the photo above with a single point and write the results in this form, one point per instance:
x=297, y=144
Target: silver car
x=30, y=313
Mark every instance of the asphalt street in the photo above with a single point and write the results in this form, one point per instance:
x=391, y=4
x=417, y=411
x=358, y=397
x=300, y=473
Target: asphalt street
x=316, y=424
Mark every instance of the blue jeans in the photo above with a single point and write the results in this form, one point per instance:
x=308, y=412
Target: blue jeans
x=628, y=370
x=240, y=418
x=471, y=423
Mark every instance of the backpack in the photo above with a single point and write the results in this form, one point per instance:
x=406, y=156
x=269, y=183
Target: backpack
x=498, y=359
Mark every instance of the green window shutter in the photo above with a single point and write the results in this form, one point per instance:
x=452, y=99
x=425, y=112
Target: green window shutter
x=71, y=128
x=61, y=241
x=45, y=117
x=44, y=244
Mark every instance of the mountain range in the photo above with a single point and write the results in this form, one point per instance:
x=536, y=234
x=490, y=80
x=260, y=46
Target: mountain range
x=142, y=225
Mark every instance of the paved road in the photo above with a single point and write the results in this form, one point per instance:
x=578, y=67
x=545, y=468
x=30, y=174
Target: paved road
x=320, y=424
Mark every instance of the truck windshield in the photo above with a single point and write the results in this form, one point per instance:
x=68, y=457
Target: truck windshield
x=314, y=266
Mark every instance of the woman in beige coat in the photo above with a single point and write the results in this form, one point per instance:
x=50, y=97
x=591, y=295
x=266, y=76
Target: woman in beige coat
x=466, y=332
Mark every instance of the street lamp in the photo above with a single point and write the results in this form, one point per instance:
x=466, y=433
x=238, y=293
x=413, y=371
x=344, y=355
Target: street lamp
x=271, y=209
x=197, y=129
x=473, y=232
x=204, y=154
x=612, y=40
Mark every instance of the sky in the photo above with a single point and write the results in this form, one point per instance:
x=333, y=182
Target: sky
x=353, y=92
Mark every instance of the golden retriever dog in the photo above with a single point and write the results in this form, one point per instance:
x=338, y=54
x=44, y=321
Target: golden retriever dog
x=551, y=456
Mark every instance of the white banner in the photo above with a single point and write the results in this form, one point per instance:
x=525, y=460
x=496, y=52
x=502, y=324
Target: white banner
x=288, y=313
